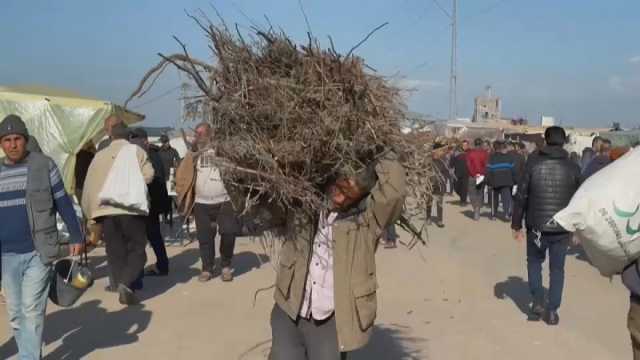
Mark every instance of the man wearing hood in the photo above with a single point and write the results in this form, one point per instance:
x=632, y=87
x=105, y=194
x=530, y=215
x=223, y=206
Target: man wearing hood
x=548, y=184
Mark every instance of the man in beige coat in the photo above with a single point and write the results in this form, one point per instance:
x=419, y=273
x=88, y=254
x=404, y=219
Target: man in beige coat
x=124, y=229
x=326, y=284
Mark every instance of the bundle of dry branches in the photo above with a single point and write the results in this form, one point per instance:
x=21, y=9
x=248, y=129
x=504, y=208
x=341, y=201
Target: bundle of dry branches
x=287, y=119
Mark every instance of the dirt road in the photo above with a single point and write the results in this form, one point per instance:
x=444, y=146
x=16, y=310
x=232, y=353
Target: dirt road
x=463, y=297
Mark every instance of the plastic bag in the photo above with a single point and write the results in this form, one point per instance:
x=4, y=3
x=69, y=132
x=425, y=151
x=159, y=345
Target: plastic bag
x=605, y=214
x=125, y=186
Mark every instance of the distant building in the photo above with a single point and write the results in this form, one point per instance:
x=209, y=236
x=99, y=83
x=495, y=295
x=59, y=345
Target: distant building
x=547, y=121
x=487, y=107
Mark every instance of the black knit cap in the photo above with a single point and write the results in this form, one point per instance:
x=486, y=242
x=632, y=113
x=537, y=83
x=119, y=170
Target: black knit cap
x=13, y=125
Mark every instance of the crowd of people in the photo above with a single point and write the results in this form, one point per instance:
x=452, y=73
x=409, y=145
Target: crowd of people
x=325, y=295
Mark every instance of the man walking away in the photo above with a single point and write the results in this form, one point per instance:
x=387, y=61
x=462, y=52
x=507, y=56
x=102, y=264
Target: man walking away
x=600, y=161
x=31, y=193
x=158, y=203
x=477, y=159
x=501, y=177
x=519, y=160
x=213, y=209
x=124, y=229
x=459, y=165
x=549, y=182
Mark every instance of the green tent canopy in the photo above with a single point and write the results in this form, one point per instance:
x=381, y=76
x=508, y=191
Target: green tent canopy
x=62, y=121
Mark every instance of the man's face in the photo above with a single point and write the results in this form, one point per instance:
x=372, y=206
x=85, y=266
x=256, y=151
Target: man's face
x=465, y=146
x=14, y=147
x=344, y=193
x=203, y=136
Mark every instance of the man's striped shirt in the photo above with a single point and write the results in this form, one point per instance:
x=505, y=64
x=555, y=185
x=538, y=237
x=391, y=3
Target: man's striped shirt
x=15, y=232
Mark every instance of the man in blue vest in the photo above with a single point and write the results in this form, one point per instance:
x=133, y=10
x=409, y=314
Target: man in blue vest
x=31, y=193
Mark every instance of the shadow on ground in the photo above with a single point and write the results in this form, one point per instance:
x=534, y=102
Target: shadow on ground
x=483, y=214
x=246, y=261
x=388, y=341
x=181, y=271
x=516, y=289
x=391, y=341
x=86, y=328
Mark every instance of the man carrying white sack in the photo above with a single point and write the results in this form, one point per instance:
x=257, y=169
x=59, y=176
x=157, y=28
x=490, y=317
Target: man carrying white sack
x=604, y=216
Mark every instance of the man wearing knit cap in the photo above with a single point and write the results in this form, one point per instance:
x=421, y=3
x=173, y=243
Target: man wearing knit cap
x=31, y=193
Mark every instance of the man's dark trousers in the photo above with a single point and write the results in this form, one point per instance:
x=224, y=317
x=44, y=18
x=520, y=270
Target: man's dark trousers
x=557, y=245
x=157, y=242
x=126, y=239
x=208, y=219
x=502, y=193
x=303, y=339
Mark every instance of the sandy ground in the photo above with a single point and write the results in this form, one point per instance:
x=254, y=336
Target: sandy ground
x=463, y=297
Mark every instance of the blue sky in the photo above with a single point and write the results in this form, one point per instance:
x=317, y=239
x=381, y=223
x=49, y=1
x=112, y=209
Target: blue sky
x=577, y=60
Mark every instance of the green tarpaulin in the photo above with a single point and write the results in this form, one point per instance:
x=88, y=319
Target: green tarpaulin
x=61, y=121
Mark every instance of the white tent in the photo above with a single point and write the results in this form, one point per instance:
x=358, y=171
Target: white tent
x=62, y=121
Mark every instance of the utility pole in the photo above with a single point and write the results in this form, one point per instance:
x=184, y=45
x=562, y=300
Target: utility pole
x=453, y=78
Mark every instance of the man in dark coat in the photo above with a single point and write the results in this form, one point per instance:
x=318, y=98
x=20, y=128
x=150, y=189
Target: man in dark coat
x=549, y=182
x=600, y=161
x=519, y=160
x=159, y=201
x=169, y=156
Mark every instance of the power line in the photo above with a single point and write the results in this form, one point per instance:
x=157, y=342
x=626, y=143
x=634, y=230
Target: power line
x=442, y=8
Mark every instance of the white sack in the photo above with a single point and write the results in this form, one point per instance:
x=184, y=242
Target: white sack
x=125, y=186
x=604, y=214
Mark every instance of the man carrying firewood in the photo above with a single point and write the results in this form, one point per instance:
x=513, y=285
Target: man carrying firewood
x=326, y=284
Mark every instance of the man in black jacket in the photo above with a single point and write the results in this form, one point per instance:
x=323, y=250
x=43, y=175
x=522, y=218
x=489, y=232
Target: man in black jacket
x=501, y=175
x=517, y=153
x=159, y=201
x=549, y=181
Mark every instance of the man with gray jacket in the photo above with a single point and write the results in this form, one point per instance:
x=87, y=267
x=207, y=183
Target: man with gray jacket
x=31, y=194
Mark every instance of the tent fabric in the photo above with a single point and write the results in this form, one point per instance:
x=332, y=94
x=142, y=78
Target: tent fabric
x=62, y=121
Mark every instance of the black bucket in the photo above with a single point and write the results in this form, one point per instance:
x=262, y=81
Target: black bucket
x=62, y=291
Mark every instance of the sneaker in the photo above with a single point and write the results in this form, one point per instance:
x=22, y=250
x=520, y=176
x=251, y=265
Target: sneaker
x=551, y=318
x=126, y=296
x=440, y=224
x=205, y=276
x=227, y=274
x=3, y=301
